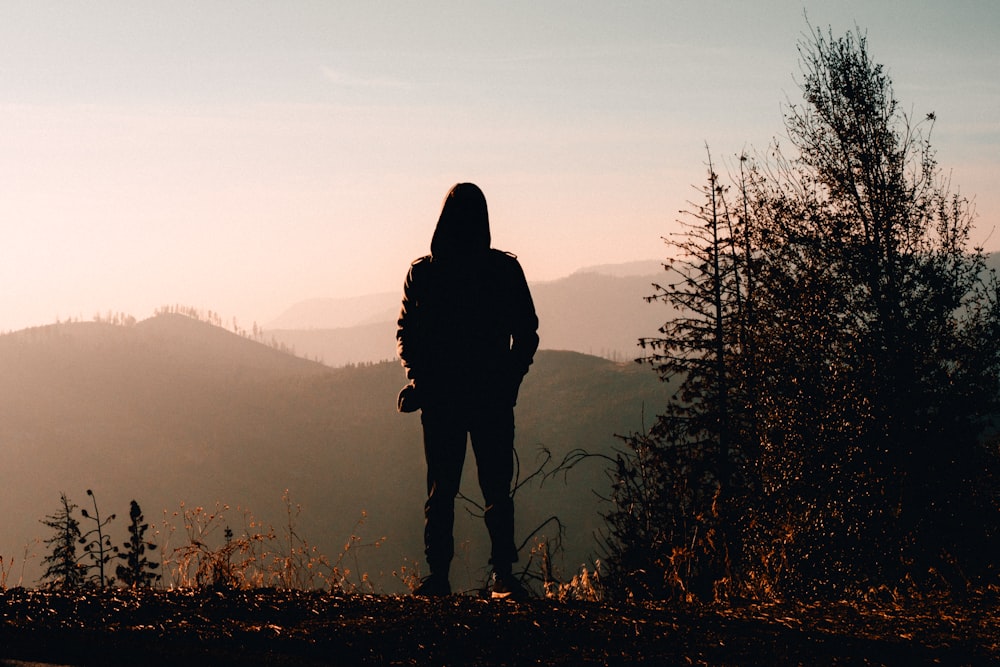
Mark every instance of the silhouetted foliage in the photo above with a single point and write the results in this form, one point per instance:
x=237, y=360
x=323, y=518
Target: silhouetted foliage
x=97, y=544
x=669, y=532
x=886, y=326
x=137, y=571
x=838, y=344
x=64, y=569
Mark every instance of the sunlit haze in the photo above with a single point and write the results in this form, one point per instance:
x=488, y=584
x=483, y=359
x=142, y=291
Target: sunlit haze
x=243, y=156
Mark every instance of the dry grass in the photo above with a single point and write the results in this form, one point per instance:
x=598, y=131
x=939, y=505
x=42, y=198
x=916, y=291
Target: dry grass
x=229, y=548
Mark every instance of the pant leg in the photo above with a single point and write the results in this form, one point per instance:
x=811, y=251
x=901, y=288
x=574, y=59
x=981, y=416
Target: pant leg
x=493, y=444
x=445, y=439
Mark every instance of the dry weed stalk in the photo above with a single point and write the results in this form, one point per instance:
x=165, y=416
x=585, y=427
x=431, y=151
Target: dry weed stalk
x=584, y=585
x=197, y=563
x=258, y=557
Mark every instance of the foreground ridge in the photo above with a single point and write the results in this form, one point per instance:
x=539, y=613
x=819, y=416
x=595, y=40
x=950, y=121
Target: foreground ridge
x=271, y=627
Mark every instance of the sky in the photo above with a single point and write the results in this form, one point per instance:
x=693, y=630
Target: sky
x=243, y=156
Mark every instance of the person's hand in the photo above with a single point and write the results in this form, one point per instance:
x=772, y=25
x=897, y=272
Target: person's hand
x=408, y=399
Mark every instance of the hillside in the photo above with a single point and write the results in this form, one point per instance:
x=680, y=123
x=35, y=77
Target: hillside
x=599, y=311
x=174, y=410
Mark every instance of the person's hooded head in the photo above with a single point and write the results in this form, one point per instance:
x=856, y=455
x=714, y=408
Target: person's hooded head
x=463, y=229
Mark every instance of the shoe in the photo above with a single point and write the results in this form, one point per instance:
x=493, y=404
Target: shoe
x=507, y=587
x=433, y=586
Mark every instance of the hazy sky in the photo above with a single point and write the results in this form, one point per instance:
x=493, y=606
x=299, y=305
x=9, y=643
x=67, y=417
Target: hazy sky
x=242, y=156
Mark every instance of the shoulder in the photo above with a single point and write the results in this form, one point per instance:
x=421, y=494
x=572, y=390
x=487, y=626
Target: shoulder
x=507, y=265
x=506, y=261
x=417, y=273
x=503, y=257
x=420, y=265
x=421, y=260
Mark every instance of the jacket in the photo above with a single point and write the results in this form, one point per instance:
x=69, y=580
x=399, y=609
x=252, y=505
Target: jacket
x=467, y=328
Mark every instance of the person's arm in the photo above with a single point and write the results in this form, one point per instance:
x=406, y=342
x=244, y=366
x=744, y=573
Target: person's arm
x=524, y=331
x=408, y=327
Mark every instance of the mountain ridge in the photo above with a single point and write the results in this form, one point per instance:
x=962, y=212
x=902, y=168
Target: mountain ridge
x=360, y=310
x=175, y=410
x=598, y=310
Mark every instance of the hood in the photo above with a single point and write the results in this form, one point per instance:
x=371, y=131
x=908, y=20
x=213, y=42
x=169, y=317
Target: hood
x=463, y=228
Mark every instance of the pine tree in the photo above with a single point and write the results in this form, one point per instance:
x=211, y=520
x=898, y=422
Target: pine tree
x=63, y=570
x=138, y=570
x=675, y=528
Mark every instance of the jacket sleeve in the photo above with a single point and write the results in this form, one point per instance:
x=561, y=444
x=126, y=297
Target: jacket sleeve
x=408, y=327
x=524, y=331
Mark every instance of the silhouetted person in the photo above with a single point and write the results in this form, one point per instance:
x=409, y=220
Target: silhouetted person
x=467, y=334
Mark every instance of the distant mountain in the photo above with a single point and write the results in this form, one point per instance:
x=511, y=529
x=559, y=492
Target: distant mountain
x=647, y=267
x=598, y=310
x=362, y=344
x=175, y=410
x=339, y=313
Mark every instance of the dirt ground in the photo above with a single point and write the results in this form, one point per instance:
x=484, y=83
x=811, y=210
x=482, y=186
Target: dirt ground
x=269, y=627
